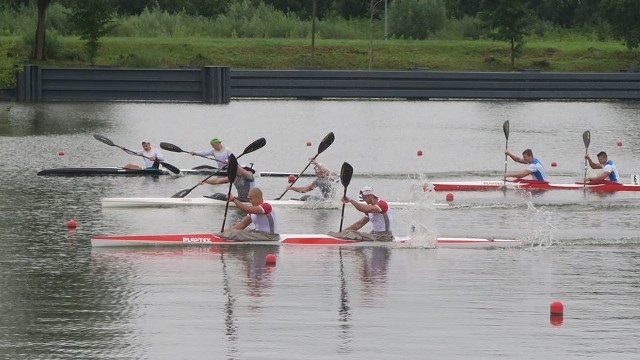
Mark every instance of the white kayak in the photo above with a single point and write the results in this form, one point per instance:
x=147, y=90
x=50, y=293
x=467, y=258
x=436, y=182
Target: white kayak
x=204, y=201
x=289, y=239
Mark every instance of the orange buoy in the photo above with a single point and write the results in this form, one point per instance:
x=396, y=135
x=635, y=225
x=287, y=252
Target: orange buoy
x=270, y=259
x=449, y=197
x=556, y=308
x=72, y=224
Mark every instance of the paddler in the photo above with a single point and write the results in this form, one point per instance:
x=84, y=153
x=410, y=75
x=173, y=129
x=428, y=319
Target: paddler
x=218, y=151
x=609, y=170
x=260, y=213
x=534, y=166
x=325, y=180
x=244, y=181
x=376, y=211
x=152, y=158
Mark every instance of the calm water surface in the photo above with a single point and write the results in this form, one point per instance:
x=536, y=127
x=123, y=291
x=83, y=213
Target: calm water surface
x=60, y=299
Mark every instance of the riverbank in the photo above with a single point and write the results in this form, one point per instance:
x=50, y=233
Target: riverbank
x=439, y=55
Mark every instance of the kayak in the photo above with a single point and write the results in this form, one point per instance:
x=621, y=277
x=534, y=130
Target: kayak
x=204, y=201
x=289, y=239
x=107, y=171
x=528, y=185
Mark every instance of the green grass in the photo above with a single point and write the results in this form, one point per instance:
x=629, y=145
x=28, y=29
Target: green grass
x=442, y=55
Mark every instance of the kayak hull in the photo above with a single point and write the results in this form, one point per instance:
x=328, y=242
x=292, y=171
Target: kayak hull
x=286, y=239
x=115, y=171
x=204, y=201
x=492, y=185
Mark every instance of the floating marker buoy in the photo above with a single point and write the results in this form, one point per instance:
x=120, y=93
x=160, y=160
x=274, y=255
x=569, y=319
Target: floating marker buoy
x=72, y=224
x=61, y=153
x=554, y=164
x=308, y=143
x=556, y=308
x=270, y=259
x=619, y=143
x=449, y=197
x=419, y=152
x=292, y=178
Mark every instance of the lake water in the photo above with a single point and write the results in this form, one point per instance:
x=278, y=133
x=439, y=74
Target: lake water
x=61, y=299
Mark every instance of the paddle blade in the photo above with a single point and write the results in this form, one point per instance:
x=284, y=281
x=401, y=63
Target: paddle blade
x=586, y=137
x=326, y=142
x=346, y=172
x=183, y=193
x=505, y=128
x=170, y=147
x=232, y=170
x=258, y=144
x=103, y=139
x=170, y=167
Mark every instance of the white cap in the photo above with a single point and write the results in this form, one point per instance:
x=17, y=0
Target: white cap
x=367, y=190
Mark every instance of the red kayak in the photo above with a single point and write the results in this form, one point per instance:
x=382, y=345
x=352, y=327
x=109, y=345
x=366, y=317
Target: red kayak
x=521, y=184
x=290, y=239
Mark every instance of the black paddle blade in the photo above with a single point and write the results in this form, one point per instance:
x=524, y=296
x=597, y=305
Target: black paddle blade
x=258, y=144
x=326, y=142
x=232, y=169
x=183, y=193
x=103, y=139
x=505, y=128
x=170, y=167
x=170, y=147
x=586, y=137
x=346, y=172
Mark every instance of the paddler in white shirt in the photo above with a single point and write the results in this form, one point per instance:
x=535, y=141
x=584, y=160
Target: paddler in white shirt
x=260, y=213
x=609, y=171
x=152, y=159
x=376, y=211
x=534, y=166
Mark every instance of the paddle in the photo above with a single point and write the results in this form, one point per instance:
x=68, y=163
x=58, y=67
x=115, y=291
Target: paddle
x=175, y=148
x=346, y=172
x=324, y=144
x=103, y=139
x=232, y=171
x=250, y=148
x=586, y=138
x=505, y=128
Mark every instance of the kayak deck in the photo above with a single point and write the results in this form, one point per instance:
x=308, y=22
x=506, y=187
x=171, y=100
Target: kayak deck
x=288, y=239
x=204, y=201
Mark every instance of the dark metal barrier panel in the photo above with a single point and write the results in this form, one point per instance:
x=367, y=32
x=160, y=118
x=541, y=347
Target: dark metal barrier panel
x=318, y=84
x=217, y=85
x=208, y=85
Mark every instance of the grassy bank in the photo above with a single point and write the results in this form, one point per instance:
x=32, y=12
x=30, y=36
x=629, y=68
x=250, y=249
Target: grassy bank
x=442, y=55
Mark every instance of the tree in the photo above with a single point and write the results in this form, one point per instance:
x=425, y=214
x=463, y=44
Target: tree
x=41, y=29
x=93, y=20
x=623, y=16
x=508, y=20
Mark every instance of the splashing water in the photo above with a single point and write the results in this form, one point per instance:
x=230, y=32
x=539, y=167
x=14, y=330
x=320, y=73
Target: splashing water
x=421, y=215
x=541, y=229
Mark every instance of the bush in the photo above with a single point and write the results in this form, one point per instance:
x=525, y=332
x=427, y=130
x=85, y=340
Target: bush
x=416, y=19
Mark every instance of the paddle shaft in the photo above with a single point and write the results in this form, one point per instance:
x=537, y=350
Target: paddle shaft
x=505, y=129
x=586, y=138
x=175, y=148
x=232, y=171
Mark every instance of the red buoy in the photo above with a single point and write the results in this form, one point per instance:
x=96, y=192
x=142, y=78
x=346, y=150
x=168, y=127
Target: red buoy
x=292, y=178
x=270, y=259
x=554, y=164
x=449, y=197
x=419, y=152
x=619, y=143
x=308, y=143
x=61, y=153
x=72, y=224
x=556, y=308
